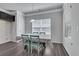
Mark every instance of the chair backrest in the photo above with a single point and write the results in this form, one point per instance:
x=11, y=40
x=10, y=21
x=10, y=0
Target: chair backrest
x=35, y=32
x=34, y=38
x=43, y=33
x=25, y=38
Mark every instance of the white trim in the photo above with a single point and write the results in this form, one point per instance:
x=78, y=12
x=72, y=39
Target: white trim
x=6, y=11
x=49, y=11
x=56, y=42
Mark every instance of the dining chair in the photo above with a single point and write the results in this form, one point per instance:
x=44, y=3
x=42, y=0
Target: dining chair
x=34, y=43
x=26, y=42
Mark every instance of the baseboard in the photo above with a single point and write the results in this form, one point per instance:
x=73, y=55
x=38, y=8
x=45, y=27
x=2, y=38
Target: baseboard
x=57, y=42
x=19, y=40
x=6, y=42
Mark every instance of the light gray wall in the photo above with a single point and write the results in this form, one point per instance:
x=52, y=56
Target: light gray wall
x=13, y=31
x=71, y=16
x=56, y=24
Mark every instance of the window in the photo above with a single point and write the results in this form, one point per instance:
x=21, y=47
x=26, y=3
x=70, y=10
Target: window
x=42, y=26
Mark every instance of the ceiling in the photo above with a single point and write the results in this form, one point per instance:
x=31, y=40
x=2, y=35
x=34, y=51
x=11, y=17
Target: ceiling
x=27, y=7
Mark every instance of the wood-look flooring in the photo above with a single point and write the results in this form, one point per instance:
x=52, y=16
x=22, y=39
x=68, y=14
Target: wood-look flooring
x=17, y=49
x=55, y=49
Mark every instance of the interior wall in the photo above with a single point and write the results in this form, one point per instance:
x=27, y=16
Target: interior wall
x=20, y=23
x=56, y=24
x=71, y=16
x=13, y=31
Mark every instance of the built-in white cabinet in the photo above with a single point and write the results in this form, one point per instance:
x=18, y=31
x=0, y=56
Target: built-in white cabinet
x=71, y=28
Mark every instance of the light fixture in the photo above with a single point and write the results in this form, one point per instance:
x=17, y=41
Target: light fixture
x=32, y=20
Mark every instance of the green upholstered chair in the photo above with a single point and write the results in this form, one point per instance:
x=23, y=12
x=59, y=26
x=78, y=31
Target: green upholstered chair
x=26, y=42
x=35, y=43
x=32, y=42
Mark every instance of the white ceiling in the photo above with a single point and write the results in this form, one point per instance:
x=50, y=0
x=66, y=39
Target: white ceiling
x=27, y=7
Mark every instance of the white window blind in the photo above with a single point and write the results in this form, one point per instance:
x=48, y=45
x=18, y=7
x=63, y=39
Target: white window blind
x=42, y=25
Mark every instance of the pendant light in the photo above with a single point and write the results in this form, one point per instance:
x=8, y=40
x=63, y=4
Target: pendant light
x=32, y=20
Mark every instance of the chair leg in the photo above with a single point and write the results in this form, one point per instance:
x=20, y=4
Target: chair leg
x=31, y=49
x=28, y=49
x=38, y=49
